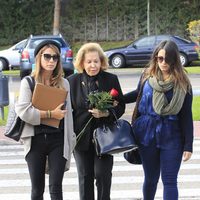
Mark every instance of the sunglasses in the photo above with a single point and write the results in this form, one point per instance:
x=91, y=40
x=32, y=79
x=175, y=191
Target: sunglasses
x=160, y=59
x=48, y=57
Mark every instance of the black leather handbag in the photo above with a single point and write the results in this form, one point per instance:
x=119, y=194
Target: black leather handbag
x=15, y=125
x=133, y=156
x=114, y=138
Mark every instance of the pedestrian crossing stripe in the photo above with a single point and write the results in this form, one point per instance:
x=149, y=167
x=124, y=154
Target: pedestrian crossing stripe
x=116, y=157
x=115, y=180
x=126, y=182
x=115, y=168
x=19, y=146
x=115, y=195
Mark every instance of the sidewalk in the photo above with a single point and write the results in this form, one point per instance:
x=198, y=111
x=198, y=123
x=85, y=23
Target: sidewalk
x=4, y=140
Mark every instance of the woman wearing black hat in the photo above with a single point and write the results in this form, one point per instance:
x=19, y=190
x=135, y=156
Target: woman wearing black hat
x=45, y=144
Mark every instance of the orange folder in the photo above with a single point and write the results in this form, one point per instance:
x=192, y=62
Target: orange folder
x=48, y=98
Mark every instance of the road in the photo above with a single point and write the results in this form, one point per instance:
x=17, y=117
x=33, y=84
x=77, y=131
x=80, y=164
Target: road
x=127, y=178
x=128, y=79
x=126, y=183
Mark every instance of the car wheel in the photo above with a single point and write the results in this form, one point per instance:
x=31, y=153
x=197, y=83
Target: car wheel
x=117, y=61
x=184, y=60
x=3, y=64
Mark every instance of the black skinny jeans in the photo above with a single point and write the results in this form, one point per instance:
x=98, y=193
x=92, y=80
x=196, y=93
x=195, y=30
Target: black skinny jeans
x=43, y=147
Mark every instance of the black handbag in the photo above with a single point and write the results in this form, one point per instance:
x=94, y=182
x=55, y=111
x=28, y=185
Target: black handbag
x=133, y=157
x=114, y=138
x=15, y=125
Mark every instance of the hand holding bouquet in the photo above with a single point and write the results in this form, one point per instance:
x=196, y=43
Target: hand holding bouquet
x=100, y=102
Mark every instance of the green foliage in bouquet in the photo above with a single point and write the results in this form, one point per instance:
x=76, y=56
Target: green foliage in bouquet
x=100, y=100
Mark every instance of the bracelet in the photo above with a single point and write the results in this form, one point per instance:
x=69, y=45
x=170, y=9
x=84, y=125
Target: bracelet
x=48, y=113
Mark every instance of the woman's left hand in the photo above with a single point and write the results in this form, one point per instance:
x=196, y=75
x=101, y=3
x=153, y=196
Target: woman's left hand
x=98, y=113
x=186, y=155
x=58, y=112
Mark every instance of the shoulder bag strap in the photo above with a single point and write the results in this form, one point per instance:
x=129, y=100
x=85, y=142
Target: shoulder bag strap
x=31, y=82
x=135, y=111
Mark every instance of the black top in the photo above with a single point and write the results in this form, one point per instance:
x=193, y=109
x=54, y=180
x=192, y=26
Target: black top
x=79, y=85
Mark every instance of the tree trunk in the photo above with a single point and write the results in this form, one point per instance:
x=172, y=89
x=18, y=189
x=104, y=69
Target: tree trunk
x=148, y=17
x=85, y=26
x=96, y=20
x=124, y=20
x=56, y=23
x=107, y=21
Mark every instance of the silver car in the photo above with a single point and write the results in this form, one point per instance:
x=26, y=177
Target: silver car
x=10, y=58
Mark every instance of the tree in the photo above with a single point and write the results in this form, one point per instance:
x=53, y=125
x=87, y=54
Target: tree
x=95, y=20
x=56, y=22
x=148, y=17
x=193, y=28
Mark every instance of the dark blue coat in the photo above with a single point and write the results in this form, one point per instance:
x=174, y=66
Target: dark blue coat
x=171, y=131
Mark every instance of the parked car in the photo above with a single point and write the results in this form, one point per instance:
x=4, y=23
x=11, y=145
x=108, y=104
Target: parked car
x=139, y=52
x=27, y=60
x=10, y=58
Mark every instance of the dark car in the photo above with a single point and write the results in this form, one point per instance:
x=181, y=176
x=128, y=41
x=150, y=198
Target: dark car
x=27, y=60
x=139, y=52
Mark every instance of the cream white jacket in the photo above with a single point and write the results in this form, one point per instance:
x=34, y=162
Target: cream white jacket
x=31, y=116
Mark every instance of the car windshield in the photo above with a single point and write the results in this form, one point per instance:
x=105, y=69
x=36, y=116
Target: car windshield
x=182, y=40
x=20, y=45
x=161, y=38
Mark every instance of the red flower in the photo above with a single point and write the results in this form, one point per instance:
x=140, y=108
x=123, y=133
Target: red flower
x=114, y=92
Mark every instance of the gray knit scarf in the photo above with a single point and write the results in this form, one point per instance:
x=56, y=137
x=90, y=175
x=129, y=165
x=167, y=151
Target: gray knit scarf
x=160, y=104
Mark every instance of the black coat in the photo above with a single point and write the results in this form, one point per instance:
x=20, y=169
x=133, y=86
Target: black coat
x=80, y=105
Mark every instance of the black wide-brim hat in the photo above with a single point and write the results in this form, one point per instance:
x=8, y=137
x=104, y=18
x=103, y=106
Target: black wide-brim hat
x=44, y=43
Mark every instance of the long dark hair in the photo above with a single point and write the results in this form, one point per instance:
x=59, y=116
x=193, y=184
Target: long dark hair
x=172, y=57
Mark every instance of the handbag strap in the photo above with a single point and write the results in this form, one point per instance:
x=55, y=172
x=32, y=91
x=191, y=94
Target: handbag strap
x=135, y=111
x=31, y=82
x=113, y=113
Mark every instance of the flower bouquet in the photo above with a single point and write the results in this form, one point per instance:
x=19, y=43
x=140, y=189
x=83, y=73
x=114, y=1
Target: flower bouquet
x=101, y=101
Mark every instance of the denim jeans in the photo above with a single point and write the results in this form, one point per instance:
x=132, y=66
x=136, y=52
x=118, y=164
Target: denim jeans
x=164, y=161
x=46, y=147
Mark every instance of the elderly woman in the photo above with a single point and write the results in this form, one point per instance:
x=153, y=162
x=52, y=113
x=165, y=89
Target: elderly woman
x=91, y=64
